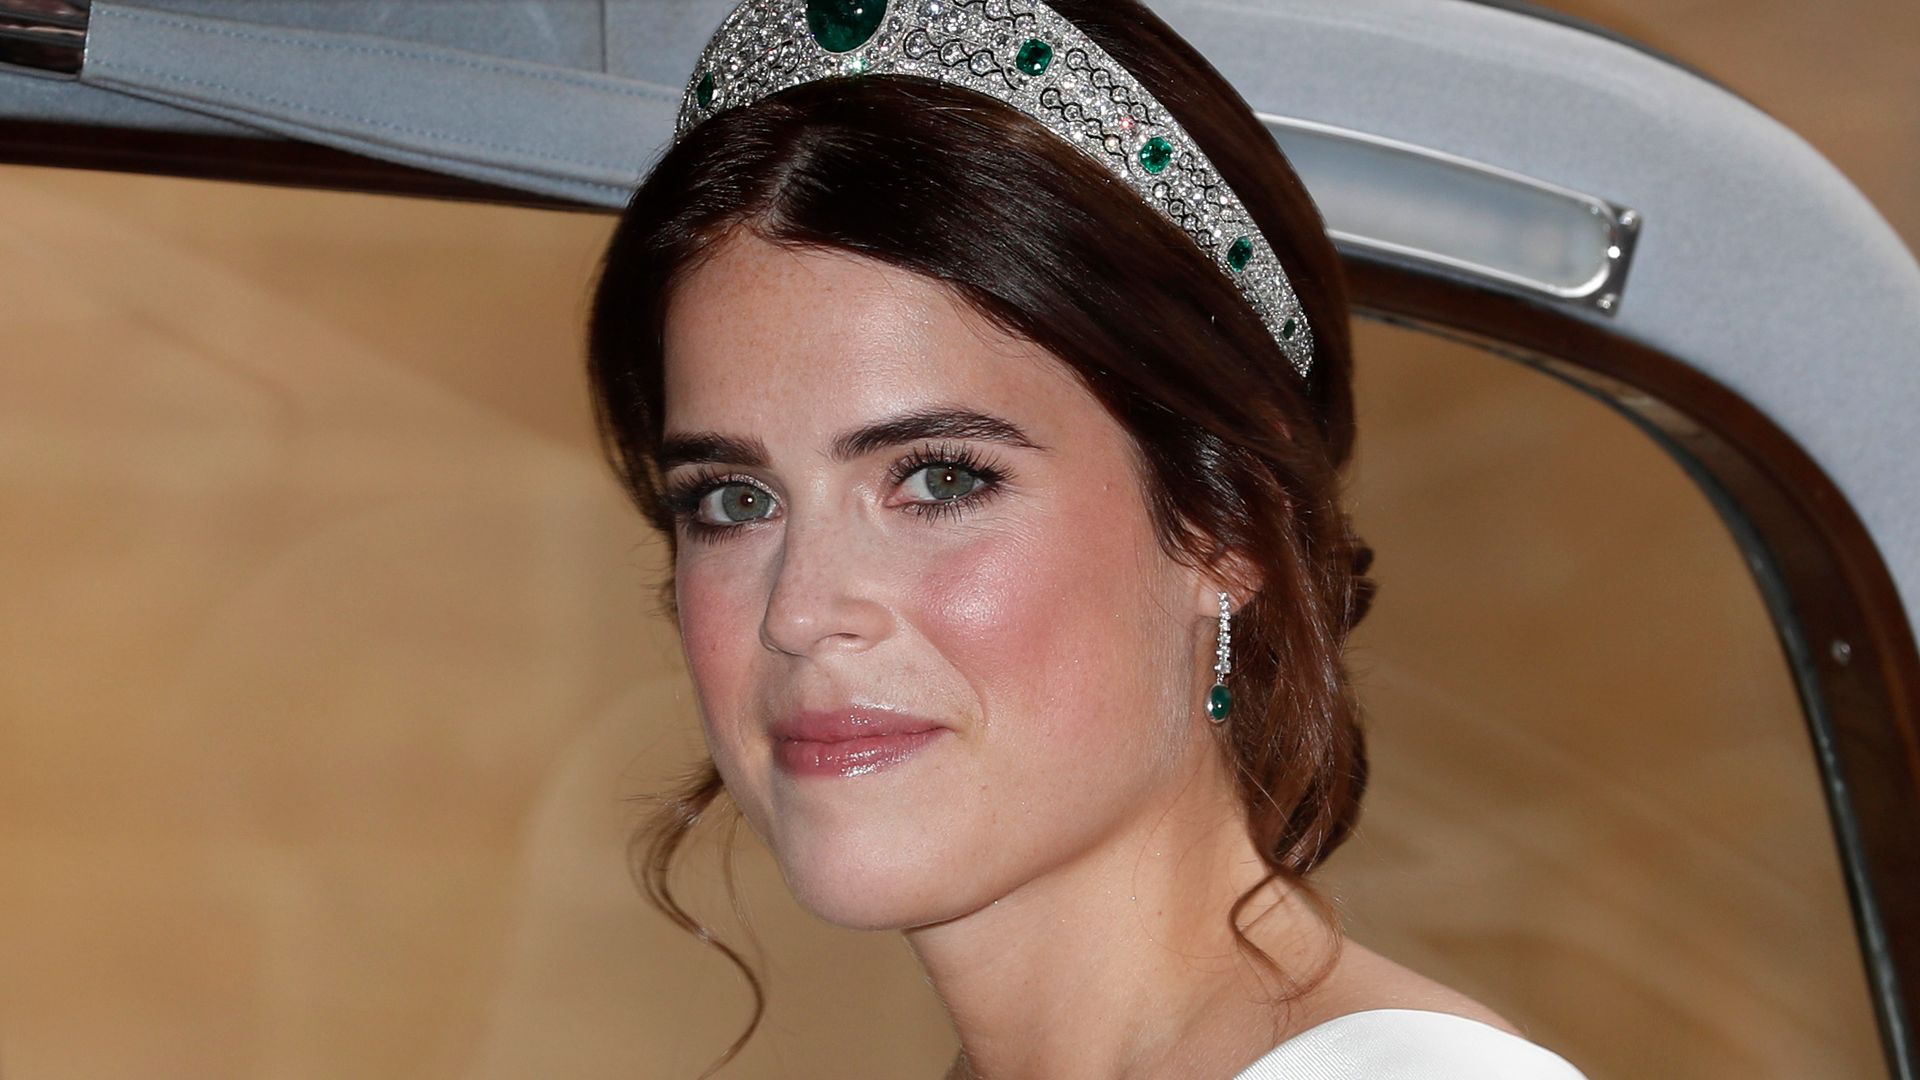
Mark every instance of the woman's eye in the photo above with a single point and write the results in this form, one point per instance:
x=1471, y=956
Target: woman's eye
x=942, y=481
x=732, y=504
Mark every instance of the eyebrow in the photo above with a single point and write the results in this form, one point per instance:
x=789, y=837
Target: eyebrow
x=711, y=447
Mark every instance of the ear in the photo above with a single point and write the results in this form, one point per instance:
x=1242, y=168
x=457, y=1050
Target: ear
x=1232, y=573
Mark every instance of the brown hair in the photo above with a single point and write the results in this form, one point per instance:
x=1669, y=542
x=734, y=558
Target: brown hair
x=1241, y=455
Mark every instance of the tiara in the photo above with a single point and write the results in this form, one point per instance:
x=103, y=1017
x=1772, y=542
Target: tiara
x=1024, y=53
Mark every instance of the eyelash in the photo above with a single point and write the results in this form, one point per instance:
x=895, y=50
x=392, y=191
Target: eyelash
x=683, y=497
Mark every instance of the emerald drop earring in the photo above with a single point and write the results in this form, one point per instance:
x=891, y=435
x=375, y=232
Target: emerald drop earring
x=1220, y=699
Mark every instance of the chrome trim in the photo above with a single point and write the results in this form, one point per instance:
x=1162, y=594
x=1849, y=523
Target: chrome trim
x=43, y=37
x=1601, y=291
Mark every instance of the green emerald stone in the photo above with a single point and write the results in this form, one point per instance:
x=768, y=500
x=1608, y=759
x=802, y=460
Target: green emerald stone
x=1239, y=252
x=1034, y=56
x=1219, y=702
x=1287, y=328
x=704, y=92
x=1155, y=155
x=840, y=25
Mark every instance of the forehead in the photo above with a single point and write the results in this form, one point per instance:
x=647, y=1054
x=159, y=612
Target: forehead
x=764, y=336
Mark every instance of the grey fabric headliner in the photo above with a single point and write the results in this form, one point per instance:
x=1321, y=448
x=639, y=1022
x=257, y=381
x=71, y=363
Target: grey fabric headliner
x=1758, y=262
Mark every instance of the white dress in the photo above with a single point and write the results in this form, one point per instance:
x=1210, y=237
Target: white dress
x=1408, y=1044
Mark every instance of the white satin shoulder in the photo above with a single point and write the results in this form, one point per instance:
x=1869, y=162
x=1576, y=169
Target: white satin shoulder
x=1408, y=1044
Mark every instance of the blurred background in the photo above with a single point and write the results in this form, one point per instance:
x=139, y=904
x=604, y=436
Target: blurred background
x=332, y=673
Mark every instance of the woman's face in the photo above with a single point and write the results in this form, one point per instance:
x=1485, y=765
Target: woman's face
x=938, y=650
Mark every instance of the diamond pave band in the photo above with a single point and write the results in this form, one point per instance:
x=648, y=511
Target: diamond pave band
x=1027, y=55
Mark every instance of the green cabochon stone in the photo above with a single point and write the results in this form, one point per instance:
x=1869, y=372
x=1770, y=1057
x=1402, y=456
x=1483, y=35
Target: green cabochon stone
x=840, y=25
x=1219, y=702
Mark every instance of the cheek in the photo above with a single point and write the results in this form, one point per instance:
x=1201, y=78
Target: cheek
x=983, y=606
x=1044, y=624
x=718, y=633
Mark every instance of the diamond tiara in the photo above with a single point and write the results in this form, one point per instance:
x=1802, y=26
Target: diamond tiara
x=1029, y=56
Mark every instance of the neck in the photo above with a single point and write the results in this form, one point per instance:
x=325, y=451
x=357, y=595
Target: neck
x=1123, y=964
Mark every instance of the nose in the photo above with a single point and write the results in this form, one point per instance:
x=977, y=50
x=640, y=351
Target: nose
x=826, y=593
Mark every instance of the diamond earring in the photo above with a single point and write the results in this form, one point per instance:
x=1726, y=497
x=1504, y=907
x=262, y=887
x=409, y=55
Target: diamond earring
x=1220, y=699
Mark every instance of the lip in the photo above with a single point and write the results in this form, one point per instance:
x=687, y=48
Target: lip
x=849, y=741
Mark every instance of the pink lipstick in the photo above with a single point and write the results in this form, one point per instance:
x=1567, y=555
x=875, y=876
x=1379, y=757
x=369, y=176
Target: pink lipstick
x=849, y=741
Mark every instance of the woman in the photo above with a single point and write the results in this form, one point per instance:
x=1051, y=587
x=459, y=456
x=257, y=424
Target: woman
x=987, y=367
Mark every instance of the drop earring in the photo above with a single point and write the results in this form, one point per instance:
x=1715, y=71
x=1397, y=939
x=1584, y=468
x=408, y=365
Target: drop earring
x=1220, y=699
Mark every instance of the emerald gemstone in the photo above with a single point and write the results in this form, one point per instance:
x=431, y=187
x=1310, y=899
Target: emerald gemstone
x=1155, y=155
x=704, y=92
x=1239, y=252
x=1287, y=328
x=840, y=25
x=1219, y=701
x=1034, y=56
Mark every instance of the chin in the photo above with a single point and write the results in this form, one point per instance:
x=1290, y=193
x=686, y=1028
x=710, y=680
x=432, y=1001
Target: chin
x=873, y=884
